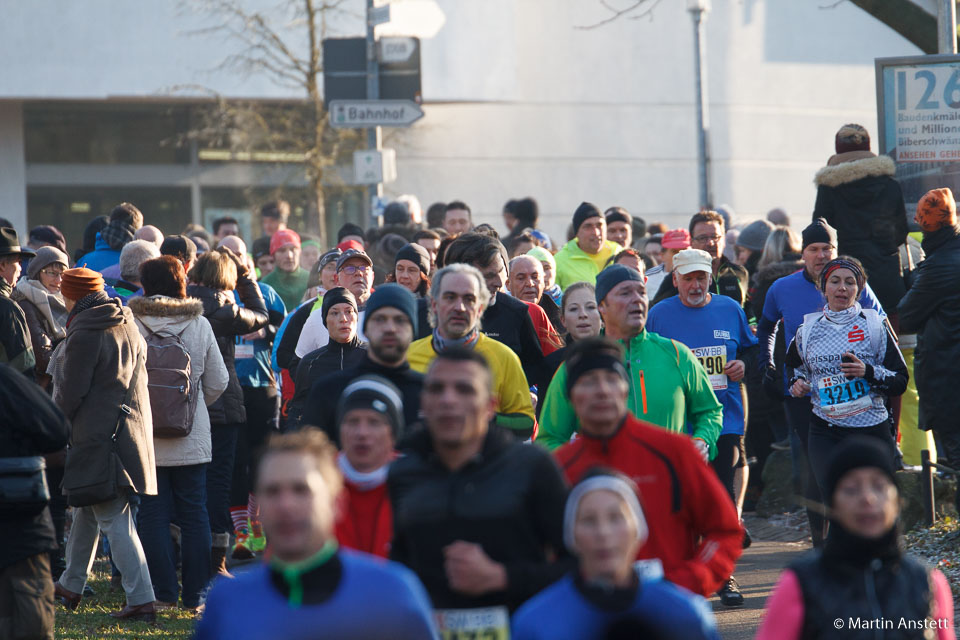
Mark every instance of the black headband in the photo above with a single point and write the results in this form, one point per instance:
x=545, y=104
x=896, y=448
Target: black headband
x=592, y=361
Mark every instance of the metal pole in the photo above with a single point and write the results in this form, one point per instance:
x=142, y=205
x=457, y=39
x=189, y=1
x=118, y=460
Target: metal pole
x=926, y=488
x=374, y=137
x=946, y=26
x=703, y=115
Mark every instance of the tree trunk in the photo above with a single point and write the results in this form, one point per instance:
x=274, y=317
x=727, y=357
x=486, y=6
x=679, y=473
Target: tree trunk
x=907, y=19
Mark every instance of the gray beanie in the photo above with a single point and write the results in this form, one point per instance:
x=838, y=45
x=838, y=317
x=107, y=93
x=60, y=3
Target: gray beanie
x=45, y=257
x=754, y=235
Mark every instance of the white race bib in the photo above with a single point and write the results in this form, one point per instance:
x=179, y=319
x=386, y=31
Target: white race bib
x=714, y=360
x=243, y=351
x=491, y=623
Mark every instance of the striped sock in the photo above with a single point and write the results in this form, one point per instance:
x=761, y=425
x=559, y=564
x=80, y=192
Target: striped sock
x=239, y=517
x=253, y=513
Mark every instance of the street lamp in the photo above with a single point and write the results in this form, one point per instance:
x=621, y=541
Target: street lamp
x=698, y=10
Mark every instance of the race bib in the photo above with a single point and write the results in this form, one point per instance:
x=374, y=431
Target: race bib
x=244, y=350
x=492, y=623
x=714, y=360
x=841, y=398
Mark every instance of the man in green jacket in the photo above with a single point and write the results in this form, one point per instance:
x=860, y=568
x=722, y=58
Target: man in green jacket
x=583, y=258
x=668, y=386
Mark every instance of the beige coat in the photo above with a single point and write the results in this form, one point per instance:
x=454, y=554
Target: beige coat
x=207, y=371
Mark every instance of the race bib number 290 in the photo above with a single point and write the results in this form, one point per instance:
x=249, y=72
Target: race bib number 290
x=492, y=623
x=714, y=360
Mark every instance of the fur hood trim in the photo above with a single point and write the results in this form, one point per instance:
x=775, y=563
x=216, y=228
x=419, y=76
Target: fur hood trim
x=165, y=307
x=834, y=175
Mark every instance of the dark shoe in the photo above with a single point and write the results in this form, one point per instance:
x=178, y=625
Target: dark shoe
x=143, y=612
x=218, y=562
x=730, y=595
x=783, y=445
x=116, y=582
x=747, y=538
x=88, y=591
x=69, y=599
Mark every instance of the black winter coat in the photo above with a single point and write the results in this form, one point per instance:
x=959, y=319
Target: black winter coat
x=30, y=425
x=508, y=321
x=228, y=321
x=320, y=409
x=317, y=364
x=509, y=499
x=931, y=309
x=858, y=195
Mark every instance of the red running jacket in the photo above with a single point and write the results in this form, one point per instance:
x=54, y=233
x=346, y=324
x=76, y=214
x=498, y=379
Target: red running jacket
x=364, y=519
x=694, y=528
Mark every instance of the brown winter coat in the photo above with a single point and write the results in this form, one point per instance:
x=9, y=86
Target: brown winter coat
x=103, y=345
x=45, y=315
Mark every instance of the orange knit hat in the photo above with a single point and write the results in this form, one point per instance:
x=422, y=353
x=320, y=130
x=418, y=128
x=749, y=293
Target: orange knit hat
x=936, y=209
x=80, y=282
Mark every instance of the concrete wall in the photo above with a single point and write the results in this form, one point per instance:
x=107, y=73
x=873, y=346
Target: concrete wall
x=13, y=190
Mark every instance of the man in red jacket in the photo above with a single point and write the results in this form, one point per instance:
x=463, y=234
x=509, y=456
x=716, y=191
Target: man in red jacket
x=694, y=528
x=370, y=416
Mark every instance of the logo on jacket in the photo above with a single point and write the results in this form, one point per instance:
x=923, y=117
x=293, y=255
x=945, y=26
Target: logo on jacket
x=723, y=335
x=857, y=335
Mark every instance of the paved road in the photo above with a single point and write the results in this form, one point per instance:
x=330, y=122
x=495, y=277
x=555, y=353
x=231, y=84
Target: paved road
x=758, y=571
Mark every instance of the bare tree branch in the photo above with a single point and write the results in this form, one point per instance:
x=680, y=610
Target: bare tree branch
x=616, y=14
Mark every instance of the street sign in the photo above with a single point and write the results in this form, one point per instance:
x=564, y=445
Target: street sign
x=420, y=18
x=373, y=167
x=345, y=72
x=394, y=50
x=380, y=15
x=363, y=114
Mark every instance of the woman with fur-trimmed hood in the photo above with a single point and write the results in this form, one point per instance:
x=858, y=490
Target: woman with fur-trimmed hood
x=858, y=195
x=181, y=461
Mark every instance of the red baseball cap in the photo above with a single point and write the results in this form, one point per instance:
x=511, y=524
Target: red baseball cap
x=676, y=239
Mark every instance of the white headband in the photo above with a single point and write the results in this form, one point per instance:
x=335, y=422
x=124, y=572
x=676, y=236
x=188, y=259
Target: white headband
x=607, y=483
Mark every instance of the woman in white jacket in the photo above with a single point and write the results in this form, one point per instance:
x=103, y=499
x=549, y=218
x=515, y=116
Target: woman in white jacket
x=164, y=310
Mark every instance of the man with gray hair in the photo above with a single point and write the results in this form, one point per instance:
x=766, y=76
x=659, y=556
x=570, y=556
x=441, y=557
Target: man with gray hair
x=133, y=254
x=458, y=298
x=149, y=233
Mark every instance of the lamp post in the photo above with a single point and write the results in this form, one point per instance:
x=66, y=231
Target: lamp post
x=698, y=10
x=946, y=26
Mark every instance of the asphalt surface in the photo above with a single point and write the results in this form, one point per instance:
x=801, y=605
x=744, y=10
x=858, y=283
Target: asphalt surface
x=757, y=572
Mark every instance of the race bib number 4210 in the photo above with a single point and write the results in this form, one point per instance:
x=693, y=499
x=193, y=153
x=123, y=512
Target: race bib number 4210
x=714, y=360
x=492, y=623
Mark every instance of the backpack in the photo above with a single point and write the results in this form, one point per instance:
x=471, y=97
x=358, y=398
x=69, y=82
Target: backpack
x=173, y=399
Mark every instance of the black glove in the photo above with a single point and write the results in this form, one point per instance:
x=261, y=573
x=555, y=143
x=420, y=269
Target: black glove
x=773, y=382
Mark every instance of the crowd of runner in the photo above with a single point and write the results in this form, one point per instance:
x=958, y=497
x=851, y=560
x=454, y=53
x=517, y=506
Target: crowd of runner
x=435, y=430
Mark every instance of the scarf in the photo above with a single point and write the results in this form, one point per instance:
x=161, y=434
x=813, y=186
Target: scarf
x=365, y=481
x=468, y=341
x=88, y=302
x=292, y=572
x=51, y=305
x=555, y=293
x=842, y=317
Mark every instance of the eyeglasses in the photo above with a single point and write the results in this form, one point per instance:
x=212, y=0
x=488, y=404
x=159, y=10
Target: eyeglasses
x=714, y=238
x=352, y=270
x=52, y=273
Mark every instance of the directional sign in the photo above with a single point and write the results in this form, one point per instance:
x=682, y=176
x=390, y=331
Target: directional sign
x=394, y=50
x=374, y=167
x=362, y=114
x=380, y=15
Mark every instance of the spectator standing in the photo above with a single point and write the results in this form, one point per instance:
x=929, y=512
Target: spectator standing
x=165, y=311
x=43, y=306
x=16, y=349
x=288, y=279
x=123, y=223
x=133, y=254
x=103, y=392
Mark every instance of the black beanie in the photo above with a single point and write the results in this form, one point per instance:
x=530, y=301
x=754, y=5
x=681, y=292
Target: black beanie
x=584, y=211
x=612, y=276
x=377, y=394
x=415, y=254
x=855, y=452
x=618, y=214
x=349, y=229
x=337, y=295
x=819, y=231
x=391, y=295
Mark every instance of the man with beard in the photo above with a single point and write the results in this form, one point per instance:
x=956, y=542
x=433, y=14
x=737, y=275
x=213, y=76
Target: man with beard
x=390, y=324
x=716, y=330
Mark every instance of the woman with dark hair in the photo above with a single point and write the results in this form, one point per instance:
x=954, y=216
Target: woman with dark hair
x=215, y=278
x=165, y=311
x=846, y=358
x=606, y=596
x=862, y=574
x=411, y=269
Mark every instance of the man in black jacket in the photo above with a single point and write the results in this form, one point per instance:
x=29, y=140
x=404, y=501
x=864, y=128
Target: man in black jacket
x=30, y=425
x=931, y=309
x=390, y=325
x=506, y=319
x=15, y=346
x=476, y=514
